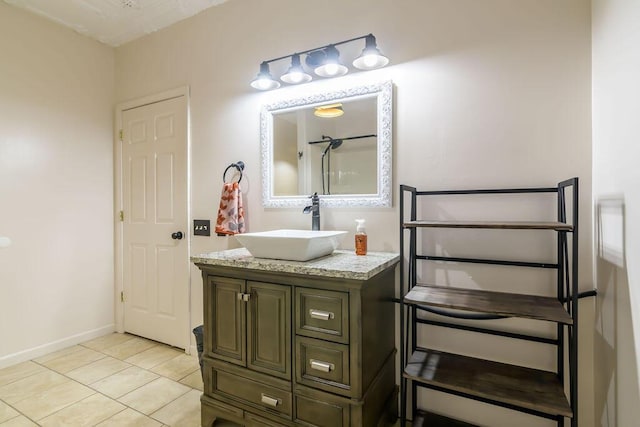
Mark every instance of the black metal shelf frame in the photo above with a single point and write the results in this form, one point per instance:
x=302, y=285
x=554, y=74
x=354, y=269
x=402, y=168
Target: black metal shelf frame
x=566, y=336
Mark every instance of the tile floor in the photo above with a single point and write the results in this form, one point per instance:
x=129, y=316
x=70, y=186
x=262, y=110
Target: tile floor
x=117, y=380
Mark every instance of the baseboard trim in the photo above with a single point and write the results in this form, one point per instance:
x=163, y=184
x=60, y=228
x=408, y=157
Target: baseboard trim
x=193, y=350
x=41, y=350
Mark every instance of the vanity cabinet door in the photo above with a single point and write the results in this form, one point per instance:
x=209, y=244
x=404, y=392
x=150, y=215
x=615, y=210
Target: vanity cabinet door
x=269, y=329
x=226, y=320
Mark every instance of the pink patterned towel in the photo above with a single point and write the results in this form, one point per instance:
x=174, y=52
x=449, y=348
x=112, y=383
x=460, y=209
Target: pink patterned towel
x=230, y=213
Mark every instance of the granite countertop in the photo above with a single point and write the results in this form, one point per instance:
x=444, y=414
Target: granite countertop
x=342, y=264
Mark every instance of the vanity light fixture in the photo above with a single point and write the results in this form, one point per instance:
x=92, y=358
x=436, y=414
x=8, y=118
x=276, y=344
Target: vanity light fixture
x=264, y=80
x=331, y=66
x=324, y=61
x=330, y=110
x=371, y=58
x=296, y=73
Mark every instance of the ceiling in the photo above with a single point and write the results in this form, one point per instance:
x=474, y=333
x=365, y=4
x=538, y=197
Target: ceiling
x=115, y=22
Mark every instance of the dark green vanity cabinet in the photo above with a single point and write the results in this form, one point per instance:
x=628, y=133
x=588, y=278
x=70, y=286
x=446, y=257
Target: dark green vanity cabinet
x=286, y=345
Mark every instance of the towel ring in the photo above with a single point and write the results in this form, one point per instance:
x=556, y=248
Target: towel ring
x=239, y=167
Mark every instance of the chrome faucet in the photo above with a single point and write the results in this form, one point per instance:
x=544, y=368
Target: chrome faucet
x=314, y=208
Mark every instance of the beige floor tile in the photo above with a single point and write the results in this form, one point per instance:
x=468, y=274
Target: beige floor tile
x=87, y=412
x=194, y=380
x=97, y=370
x=124, y=381
x=7, y=412
x=182, y=412
x=130, y=347
x=129, y=418
x=66, y=363
x=18, y=372
x=20, y=421
x=21, y=389
x=107, y=341
x=56, y=354
x=154, y=356
x=151, y=397
x=178, y=367
x=44, y=396
x=40, y=405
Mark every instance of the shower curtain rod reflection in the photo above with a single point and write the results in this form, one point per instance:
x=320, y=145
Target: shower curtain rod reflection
x=328, y=138
x=333, y=144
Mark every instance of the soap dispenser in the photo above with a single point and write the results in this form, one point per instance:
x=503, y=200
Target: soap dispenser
x=361, y=238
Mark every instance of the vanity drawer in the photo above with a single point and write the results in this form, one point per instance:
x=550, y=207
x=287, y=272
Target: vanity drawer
x=253, y=393
x=323, y=365
x=322, y=314
x=322, y=410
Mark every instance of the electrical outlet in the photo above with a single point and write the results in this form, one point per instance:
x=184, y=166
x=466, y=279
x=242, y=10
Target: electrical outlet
x=201, y=227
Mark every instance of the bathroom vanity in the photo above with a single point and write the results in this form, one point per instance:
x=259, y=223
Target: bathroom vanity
x=290, y=343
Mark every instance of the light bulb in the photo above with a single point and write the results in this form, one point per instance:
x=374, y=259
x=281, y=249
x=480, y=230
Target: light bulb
x=331, y=69
x=265, y=83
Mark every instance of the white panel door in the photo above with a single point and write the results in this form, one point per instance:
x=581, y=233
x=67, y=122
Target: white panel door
x=154, y=191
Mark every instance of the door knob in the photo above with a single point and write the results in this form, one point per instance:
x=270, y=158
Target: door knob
x=177, y=235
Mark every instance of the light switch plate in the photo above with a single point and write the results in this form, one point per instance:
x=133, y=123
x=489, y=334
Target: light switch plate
x=201, y=227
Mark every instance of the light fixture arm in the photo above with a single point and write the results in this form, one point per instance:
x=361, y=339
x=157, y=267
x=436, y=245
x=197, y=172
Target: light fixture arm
x=303, y=52
x=328, y=138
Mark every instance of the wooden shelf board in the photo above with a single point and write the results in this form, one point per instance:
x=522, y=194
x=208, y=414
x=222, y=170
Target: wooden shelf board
x=509, y=225
x=499, y=303
x=499, y=382
x=430, y=419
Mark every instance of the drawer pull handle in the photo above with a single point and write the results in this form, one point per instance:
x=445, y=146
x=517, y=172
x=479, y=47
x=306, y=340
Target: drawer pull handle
x=321, y=315
x=321, y=366
x=269, y=400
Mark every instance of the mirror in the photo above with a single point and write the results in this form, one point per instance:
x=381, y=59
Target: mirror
x=345, y=158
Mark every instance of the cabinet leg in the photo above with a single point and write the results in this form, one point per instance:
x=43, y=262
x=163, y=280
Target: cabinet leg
x=213, y=413
x=390, y=415
x=207, y=418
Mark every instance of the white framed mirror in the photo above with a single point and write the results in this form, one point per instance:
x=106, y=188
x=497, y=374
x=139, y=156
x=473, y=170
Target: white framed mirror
x=345, y=159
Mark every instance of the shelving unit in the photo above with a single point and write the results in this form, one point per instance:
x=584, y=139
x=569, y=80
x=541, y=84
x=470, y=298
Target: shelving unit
x=533, y=391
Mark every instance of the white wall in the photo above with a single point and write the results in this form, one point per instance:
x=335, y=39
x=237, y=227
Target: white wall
x=487, y=93
x=56, y=186
x=616, y=103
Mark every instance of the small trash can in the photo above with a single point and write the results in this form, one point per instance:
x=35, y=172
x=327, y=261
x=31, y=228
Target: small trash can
x=198, y=332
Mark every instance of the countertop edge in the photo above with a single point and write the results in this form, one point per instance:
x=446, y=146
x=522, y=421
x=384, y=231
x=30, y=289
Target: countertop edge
x=341, y=264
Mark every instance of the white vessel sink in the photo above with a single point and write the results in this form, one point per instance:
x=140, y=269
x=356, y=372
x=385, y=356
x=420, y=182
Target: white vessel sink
x=293, y=245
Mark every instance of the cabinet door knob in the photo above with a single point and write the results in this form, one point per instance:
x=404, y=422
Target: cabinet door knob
x=319, y=365
x=321, y=315
x=267, y=400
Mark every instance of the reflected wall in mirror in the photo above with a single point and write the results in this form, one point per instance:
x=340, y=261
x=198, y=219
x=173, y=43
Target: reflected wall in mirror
x=345, y=158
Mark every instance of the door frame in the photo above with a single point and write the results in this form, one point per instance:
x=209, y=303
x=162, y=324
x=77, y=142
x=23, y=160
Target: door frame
x=118, y=204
